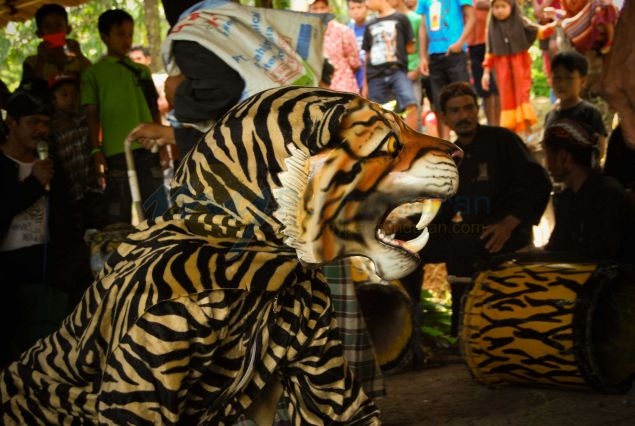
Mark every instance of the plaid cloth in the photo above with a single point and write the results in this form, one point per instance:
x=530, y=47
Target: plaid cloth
x=72, y=148
x=281, y=417
x=358, y=347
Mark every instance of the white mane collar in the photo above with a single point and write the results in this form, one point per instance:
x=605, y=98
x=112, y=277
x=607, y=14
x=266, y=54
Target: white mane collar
x=289, y=197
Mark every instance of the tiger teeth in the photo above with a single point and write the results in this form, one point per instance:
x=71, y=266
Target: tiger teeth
x=418, y=243
x=385, y=237
x=414, y=245
x=429, y=209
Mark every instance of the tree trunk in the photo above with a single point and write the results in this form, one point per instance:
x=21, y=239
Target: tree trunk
x=153, y=29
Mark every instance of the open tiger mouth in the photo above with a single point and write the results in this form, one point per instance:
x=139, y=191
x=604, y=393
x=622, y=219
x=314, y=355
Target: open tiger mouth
x=399, y=221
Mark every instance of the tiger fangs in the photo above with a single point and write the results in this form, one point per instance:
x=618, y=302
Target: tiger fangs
x=428, y=209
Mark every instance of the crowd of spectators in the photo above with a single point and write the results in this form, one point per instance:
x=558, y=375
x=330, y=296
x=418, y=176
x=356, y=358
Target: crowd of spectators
x=397, y=50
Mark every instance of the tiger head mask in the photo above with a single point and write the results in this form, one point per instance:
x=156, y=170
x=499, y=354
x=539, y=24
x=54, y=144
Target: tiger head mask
x=318, y=172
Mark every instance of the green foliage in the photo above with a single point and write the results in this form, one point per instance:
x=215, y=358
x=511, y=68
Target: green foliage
x=540, y=83
x=18, y=40
x=436, y=320
x=16, y=43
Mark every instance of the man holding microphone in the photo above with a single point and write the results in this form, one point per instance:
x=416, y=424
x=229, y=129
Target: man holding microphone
x=39, y=246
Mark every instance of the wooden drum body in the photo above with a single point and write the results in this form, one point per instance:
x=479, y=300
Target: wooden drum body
x=566, y=325
x=388, y=313
x=387, y=310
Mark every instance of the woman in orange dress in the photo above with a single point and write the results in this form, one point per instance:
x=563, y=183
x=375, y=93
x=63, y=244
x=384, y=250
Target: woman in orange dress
x=509, y=36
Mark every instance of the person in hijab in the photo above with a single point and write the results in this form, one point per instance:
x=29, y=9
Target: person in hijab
x=509, y=36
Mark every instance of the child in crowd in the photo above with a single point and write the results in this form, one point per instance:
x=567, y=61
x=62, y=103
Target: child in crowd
x=111, y=92
x=340, y=48
x=388, y=40
x=358, y=13
x=476, y=46
x=445, y=28
x=69, y=139
x=509, y=36
x=56, y=54
x=569, y=72
x=413, y=58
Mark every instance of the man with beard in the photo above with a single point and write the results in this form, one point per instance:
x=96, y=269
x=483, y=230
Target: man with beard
x=502, y=192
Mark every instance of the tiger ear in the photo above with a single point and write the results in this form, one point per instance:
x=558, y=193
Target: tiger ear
x=325, y=129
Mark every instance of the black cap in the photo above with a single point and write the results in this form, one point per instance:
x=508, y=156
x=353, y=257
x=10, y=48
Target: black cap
x=22, y=103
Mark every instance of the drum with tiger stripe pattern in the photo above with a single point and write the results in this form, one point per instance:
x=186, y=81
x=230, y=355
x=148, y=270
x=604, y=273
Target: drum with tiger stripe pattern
x=569, y=325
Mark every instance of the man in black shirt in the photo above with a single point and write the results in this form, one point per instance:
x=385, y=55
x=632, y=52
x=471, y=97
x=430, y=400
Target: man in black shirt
x=42, y=253
x=502, y=193
x=594, y=214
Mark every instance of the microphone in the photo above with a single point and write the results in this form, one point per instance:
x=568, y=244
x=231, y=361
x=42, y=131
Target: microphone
x=42, y=150
x=43, y=154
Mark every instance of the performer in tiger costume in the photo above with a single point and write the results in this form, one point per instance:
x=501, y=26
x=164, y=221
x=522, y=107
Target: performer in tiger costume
x=198, y=312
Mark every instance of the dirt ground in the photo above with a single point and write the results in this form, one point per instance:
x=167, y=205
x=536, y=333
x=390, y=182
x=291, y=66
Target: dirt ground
x=448, y=395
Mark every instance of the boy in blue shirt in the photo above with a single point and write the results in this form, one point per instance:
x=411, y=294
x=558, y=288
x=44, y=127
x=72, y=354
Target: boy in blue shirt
x=445, y=28
x=358, y=13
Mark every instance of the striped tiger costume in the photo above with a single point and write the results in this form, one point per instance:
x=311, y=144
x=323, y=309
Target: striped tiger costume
x=197, y=312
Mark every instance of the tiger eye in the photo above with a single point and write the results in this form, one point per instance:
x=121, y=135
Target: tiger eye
x=393, y=145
